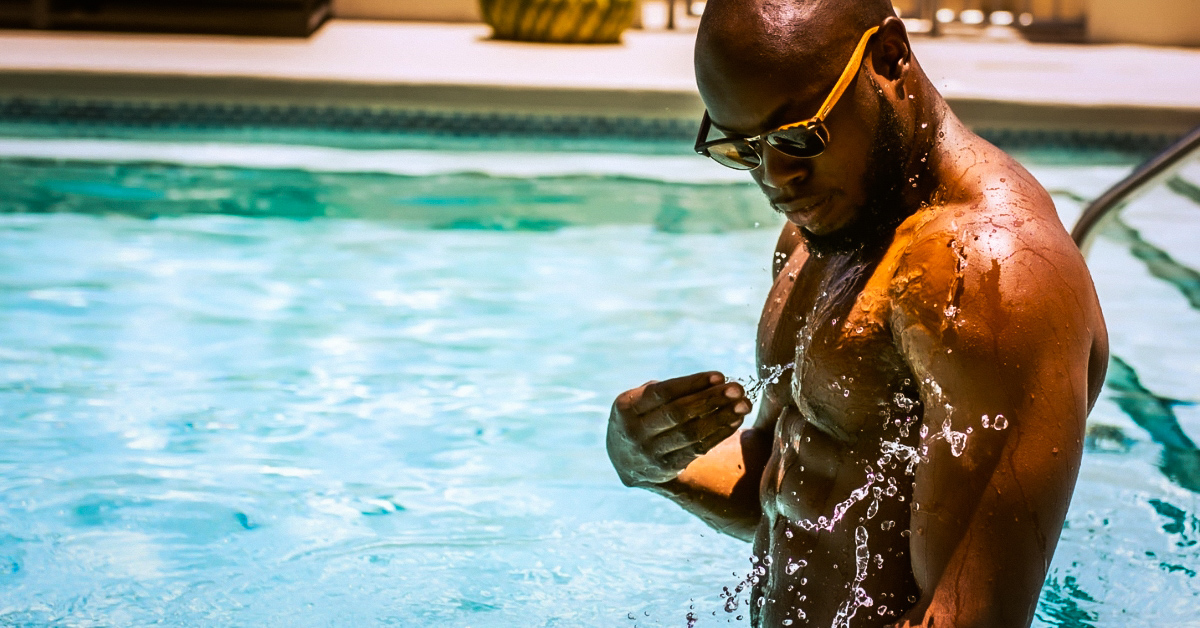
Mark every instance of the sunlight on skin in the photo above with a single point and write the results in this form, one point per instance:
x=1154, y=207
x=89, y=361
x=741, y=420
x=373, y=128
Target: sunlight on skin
x=942, y=340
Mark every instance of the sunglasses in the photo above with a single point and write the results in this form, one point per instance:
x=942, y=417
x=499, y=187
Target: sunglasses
x=805, y=139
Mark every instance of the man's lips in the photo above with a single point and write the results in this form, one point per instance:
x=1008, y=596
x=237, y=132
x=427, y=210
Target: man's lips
x=799, y=207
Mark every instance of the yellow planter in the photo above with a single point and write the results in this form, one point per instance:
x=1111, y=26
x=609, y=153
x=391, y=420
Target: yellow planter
x=559, y=21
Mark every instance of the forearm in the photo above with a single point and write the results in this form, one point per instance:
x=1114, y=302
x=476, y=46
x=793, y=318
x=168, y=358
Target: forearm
x=721, y=487
x=737, y=517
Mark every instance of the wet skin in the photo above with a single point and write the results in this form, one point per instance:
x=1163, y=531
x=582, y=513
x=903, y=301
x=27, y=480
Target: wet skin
x=977, y=306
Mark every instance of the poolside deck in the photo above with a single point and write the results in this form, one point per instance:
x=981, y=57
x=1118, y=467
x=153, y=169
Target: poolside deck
x=996, y=84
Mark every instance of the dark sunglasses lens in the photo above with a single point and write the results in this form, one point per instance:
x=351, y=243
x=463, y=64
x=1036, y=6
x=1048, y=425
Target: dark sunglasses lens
x=801, y=141
x=736, y=155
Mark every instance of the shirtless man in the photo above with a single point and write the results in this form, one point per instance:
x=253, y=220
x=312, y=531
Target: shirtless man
x=915, y=466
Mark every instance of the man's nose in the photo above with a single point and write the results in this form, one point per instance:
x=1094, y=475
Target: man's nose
x=779, y=170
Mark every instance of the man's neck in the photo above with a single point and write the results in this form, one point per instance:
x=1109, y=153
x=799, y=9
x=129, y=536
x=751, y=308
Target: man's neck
x=940, y=149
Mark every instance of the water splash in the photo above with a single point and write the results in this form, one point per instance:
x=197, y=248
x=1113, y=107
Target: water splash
x=858, y=595
x=733, y=598
x=839, y=511
x=755, y=386
x=878, y=486
x=902, y=452
x=956, y=440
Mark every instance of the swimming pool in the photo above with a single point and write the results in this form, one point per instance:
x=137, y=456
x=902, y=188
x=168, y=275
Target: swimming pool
x=343, y=388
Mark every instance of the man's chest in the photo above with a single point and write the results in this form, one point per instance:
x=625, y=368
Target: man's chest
x=828, y=320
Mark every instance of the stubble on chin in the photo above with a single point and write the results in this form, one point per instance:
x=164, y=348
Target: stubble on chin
x=875, y=221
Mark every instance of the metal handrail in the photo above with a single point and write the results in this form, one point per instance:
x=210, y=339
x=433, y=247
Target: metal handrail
x=1142, y=180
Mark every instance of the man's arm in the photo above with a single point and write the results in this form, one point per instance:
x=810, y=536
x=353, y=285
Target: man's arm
x=1003, y=330
x=720, y=477
x=721, y=487
x=679, y=438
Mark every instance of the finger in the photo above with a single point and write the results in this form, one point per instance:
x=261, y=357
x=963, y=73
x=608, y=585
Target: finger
x=701, y=430
x=656, y=394
x=691, y=407
x=679, y=459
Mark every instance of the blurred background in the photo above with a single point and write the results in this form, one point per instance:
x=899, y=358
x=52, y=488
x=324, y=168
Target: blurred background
x=1168, y=22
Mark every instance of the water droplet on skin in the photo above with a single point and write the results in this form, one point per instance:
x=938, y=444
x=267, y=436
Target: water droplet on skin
x=882, y=610
x=1001, y=422
x=986, y=421
x=787, y=622
x=887, y=525
x=787, y=533
x=803, y=581
x=924, y=125
x=791, y=568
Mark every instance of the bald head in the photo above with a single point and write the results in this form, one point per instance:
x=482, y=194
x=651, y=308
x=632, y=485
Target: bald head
x=782, y=40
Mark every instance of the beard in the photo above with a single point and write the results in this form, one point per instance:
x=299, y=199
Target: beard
x=876, y=220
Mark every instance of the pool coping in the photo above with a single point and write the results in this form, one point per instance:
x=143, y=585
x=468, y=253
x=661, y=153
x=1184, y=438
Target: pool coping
x=997, y=87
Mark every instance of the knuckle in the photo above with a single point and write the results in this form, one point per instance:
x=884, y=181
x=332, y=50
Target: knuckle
x=624, y=402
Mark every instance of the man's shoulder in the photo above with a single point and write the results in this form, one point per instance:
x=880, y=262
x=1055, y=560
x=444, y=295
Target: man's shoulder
x=1006, y=236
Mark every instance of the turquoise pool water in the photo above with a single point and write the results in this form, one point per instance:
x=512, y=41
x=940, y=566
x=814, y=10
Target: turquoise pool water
x=246, y=387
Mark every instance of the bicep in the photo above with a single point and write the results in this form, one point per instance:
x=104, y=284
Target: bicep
x=1004, y=381
x=992, y=490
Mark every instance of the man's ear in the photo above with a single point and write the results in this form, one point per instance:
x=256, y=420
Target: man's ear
x=892, y=56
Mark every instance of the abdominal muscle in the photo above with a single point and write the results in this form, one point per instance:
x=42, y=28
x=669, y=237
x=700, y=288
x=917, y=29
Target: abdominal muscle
x=815, y=571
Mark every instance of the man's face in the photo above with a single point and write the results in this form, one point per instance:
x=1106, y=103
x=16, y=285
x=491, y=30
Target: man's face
x=836, y=197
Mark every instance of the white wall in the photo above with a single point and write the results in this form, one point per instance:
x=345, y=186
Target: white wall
x=417, y=10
